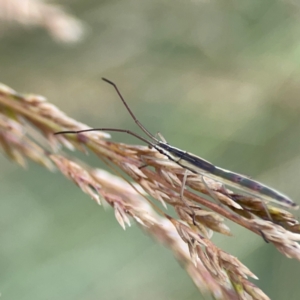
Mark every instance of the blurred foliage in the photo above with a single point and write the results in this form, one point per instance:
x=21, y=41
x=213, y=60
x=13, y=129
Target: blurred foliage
x=223, y=72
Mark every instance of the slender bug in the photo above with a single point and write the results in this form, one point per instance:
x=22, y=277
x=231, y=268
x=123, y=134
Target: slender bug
x=197, y=164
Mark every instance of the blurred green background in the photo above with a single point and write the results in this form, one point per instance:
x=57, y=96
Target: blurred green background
x=217, y=78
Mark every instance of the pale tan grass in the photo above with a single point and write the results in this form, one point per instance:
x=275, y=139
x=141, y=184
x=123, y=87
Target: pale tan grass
x=31, y=13
x=188, y=235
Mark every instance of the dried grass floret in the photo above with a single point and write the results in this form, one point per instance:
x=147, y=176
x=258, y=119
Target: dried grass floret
x=30, y=13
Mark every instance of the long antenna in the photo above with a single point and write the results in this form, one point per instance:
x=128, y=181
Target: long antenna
x=109, y=129
x=149, y=134
x=151, y=144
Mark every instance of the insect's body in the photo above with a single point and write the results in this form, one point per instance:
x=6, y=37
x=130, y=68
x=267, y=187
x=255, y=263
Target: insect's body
x=201, y=166
x=198, y=165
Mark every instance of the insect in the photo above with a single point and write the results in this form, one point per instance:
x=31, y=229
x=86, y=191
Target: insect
x=197, y=164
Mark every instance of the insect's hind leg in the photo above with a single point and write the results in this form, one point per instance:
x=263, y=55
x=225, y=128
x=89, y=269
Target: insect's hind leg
x=267, y=211
x=211, y=193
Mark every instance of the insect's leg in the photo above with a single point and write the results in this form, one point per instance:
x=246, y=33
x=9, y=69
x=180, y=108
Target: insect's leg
x=264, y=236
x=143, y=166
x=262, y=203
x=183, y=186
x=267, y=211
x=182, y=196
x=211, y=193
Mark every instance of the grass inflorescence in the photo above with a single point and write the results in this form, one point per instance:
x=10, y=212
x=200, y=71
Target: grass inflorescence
x=27, y=127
